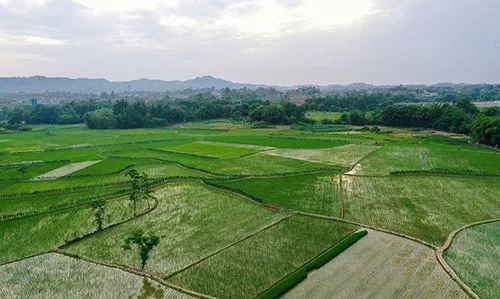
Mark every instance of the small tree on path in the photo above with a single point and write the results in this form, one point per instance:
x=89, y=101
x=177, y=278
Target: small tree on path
x=99, y=207
x=144, y=243
x=140, y=187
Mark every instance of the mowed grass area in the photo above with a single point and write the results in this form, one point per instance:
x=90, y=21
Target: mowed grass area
x=380, y=266
x=475, y=255
x=65, y=170
x=31, y=235
x=281, y=142
x=55, y=276
x=42, y=203
x=252, y=266
x=158, y=171
x=253, y=165
x=427, y=157
x=426, y=208
x=345, y=155
x=193, y=221
x=312, y=193
x=213, y=149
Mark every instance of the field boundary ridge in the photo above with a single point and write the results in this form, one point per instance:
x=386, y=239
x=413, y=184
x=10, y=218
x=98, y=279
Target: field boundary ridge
x=440, y=257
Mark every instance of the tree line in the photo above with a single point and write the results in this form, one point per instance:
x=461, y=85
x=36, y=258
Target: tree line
x=138, y=114
x=459, y=117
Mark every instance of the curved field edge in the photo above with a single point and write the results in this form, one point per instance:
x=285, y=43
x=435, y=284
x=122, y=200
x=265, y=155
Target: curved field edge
x=38, y=234
x=189, y=215
x=56, y=276
x=461, y=250
x=250, y=267
x=425, y=208
x=312, y=193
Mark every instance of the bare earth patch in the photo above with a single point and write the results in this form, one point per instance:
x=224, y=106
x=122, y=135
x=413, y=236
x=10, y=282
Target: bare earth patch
x=380, y=266
x=65, y=170
x=345, y=155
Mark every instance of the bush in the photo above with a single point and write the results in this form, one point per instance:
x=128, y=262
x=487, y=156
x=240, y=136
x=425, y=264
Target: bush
x=283, y=286
x=299, y=275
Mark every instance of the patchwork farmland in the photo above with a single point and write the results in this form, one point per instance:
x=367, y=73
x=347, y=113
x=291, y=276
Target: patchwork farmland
x=235, y=212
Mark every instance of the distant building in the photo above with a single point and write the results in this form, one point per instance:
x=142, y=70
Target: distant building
x=34, y=102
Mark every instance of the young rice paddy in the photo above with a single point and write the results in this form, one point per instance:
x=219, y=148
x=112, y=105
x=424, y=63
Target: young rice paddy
x=242, y=213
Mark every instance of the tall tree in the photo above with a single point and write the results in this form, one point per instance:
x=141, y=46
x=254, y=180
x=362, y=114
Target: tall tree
x=144, y=242
x=99, y=208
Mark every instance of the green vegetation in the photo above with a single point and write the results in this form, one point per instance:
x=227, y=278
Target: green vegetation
x=281, y=142
x=50, y=201
x=111, y=165
x=293, y=279
x=55, y=276
x=380, y=266
x=216, y=150
x=393, y=158
x=27, y=236
x=474, y=256
x=27, y=172
x=320, y=115
x=252, y=165
x=192, y=220
x=145, y=244
x=313, y=193
x=197, y=181
x=345, y=155
x=426, y=208
x=263, y=259
x=74, y=183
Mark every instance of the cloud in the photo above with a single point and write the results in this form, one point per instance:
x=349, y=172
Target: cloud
x=269, y=41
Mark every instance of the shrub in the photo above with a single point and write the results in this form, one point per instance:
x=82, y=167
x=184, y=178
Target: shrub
x=299, y=275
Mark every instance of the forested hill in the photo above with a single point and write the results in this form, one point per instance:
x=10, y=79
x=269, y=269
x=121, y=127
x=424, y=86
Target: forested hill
x=84, y=85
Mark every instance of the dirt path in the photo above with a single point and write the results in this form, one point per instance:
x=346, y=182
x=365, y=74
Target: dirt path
x=440, y=251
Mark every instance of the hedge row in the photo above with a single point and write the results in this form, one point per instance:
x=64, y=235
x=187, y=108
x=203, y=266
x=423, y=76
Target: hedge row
x=319, y=128
x=219, y=186
x=300, y=274
x=62, y=190
x=30, y=163
x=62, y=206
x=96, y=145
x=180, y=153
x=466, y=172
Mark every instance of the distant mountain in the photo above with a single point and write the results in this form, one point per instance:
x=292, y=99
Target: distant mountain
x=39, y=84
x=83, y=85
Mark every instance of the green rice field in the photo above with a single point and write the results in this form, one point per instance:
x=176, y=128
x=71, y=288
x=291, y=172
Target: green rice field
x=241, y=213
x=474, y=256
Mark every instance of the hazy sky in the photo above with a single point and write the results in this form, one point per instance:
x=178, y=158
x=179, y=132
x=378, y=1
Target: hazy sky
x=256, y=41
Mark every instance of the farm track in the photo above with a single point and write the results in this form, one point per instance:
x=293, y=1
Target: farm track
x=440, y=251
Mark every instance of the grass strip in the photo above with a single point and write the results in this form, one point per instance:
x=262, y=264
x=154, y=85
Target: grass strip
x=300, y=274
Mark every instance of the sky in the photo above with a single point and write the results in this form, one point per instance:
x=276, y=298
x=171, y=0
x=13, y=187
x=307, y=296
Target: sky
x=284, y=42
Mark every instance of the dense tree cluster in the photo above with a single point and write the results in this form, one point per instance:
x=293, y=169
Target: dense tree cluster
x=126, y=115
x=69, y=113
